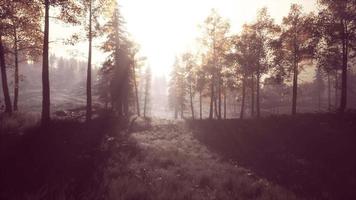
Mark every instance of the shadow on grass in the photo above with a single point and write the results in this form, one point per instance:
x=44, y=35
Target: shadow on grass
x=310, y=154
x=63, y=161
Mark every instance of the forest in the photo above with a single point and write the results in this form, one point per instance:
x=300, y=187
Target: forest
x=265, y=111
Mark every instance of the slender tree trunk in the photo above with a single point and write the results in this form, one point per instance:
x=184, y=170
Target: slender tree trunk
x=329, y=93
x=224, y=104
x=336, y=89
x=343, y=100
x=45, y=71
x=182, y=111
x=216, y=106
x=295, y=88
x=89, y=99
x=16, y=75
x=200, y=105
x=136, y=90
x=5, y=88
x=252, y=96
x=145, y=101
x=319, y=99
x=211, y=99
x=191, y=101
x=243, y=98
x=258, y=92
x=219, y=95
x=175, y=112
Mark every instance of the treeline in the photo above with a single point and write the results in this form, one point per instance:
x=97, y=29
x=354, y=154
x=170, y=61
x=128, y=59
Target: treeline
x=266, y=57
x=23, y=40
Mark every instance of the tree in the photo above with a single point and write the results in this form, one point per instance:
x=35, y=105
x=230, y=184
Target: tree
x=295, y=46
x=338, y=21
x=148, y=77
x=69, y=13
x=177, y=89
x=265, y=31
x=319, y=86
x=93, y=9
x=214, y=39
x=243, y=58
x=5, y=88
x=118, y=64
x=200, y=85
x=329, y=59
x=25, y=36
x=189, y=76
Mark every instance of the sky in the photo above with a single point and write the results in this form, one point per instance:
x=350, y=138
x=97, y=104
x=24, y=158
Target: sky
x=166, y=28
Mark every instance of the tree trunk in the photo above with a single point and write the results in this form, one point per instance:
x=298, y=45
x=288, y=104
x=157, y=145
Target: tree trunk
x=295, y=88
x=211, y=99
x=200, y=105
x=175, y=112
x=45, y=71
x=136, y=90
x=258, y=92
x=145, y=102
x=16, y=75
x=219, y=95
x=89, y=100
x=252, y=96
x=329, y=93
x=191, y=101
x=224, y=104
x=319, y=98
x=5, y=88
x=243, y=98
x=343, y=100
x=216, y=107
x=336, y=89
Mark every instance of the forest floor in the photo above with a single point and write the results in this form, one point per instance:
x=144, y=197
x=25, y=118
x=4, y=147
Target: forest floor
x=170, y=163
x=309, y=156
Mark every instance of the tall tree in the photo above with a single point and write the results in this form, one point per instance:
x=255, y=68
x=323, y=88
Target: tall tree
x=214, y=40
x=338, y=19
x=148, y=77
x=118, y=63
x=265, y=31
x=5, y=13
x=94, y=9
x=25, y=36
x=5, y=88
x=295, y=46
x=69, y=11
x=244, y=54
x=190, y=78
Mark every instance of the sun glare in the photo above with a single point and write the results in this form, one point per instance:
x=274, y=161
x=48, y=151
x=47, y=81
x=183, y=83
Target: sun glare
x=165, y=29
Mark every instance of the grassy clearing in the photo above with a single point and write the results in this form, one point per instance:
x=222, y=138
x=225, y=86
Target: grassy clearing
x=167, y=162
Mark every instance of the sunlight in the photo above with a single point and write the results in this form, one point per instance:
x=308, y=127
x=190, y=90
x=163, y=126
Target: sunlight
x=167, y=28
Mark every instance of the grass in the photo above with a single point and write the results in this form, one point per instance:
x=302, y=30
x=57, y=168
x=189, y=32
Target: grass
x=63, y=161
x=169, y=163
x=309, y=154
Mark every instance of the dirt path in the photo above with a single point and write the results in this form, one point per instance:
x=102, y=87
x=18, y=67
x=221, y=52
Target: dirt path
x=172, y=164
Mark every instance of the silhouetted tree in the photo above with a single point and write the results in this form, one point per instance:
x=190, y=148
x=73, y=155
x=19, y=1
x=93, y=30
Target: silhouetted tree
x=295, y=46
x=338, y=21
x=214, y=39
x=69, y=11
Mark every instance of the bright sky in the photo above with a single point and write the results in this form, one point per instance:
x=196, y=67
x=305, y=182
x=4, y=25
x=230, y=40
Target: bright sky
x=166, y=28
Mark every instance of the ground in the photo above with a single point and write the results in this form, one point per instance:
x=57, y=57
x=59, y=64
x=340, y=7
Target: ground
x=308, y=156
x=172, y=164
